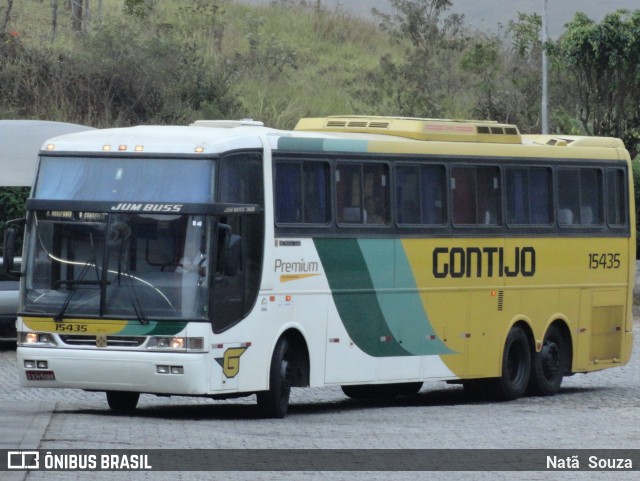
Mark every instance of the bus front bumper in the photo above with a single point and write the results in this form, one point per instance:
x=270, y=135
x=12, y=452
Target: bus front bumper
x=147, y=372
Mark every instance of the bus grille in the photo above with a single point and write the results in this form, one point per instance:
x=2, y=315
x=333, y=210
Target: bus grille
x=112, y=341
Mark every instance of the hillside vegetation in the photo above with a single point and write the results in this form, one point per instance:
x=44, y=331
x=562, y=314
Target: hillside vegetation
x=122, y=62
x=108, y=63
x=174, y=61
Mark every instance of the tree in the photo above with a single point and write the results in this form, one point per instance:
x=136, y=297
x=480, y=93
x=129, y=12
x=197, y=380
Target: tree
x=483, y=61
x=6, y=16
x=603, y=61
x=425, y=81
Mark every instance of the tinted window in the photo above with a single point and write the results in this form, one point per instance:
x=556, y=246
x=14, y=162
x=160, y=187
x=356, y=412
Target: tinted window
x=616, y=197
x=579, y=196
x=362, y=193
x=301, y=192
x=475, y=195
x=528, y=195
x=420, y=194
x=241, y=179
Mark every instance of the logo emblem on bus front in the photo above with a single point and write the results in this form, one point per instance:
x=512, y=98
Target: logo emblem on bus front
x=230, y=363
x=101, y=340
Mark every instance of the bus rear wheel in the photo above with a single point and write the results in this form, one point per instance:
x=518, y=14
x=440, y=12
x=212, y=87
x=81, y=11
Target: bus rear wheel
x=274, y=403
x=516, y=367
x=548, y=365
x=122, y=401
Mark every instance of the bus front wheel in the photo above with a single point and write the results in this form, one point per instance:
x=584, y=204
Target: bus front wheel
x=122, y=401
x=548, y=366
x=274, y=403
x=516, y=367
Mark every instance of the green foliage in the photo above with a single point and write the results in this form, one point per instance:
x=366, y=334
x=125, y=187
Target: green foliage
x=137, y=8
x=12, y=205
x=422, y=81
x=526, y=33
x=482, y=61
x=151, y=61
x=117, y=74
x=603, y=61
x=636, y=185
x=147, y=61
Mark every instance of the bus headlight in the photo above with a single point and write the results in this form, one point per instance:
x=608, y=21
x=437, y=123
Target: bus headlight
x=33, y=339
x=184, y=344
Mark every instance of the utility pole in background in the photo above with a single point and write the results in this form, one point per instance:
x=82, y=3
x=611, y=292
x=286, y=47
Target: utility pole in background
x=545, y=67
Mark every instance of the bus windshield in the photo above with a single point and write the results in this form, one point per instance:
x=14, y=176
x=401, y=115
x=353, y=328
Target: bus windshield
x=126, y=265
x=125, y=179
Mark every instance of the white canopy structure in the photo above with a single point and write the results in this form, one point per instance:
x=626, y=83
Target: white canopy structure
x=20, y=142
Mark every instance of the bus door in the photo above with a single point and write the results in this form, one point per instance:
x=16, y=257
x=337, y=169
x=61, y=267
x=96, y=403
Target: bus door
x=238, y=265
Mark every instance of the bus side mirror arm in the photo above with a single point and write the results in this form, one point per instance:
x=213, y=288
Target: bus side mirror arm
x=9, y=246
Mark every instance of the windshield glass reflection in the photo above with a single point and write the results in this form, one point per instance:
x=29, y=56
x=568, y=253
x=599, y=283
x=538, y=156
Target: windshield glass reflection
x=139, y=266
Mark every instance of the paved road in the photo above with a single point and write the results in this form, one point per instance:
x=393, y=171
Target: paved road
x=596, y=411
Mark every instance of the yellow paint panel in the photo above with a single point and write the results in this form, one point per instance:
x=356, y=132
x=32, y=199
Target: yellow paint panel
x=74, y=326
x=295, y=277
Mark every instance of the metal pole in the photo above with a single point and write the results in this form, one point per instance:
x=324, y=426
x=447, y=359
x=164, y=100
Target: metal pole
x=545, y=67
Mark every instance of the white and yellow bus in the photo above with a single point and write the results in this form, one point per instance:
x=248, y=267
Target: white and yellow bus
x=373, y=253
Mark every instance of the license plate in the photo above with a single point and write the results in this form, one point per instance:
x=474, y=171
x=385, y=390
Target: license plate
x=41, y=376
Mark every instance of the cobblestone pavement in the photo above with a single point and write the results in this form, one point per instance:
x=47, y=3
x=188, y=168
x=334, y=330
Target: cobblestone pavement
x=596, y=411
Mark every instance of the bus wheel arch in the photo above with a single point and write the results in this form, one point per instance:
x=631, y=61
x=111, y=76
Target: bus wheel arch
x=289, y=368
x=552, y=362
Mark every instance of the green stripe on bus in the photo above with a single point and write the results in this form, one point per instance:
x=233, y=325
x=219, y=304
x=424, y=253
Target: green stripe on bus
x=355, y=298
x=398, y=296
x=155, y=328
x=308, y=144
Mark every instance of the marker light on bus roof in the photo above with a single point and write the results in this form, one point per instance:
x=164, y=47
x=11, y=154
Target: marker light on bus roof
x=122, y=147
x=106, y=147
x=51, y=146
x=138, y=148
x=199, y=150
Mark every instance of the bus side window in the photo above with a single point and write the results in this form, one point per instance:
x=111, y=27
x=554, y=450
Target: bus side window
x=475, y=195
x=408, y=194
x=420, y=194
x=241, y=179
x=590, y=196
x=432, y=181
x=301, y=192
x=315, y=192
x=362, y=193
x=579, y=196
x=616, y=197
x=568, y=196
x=288, y=192
x=463, y=187
x=349, y=194
x=528, y=195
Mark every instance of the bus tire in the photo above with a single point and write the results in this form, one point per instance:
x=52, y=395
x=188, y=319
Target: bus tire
x=274, y=403
x=516, y=367
x=122, y=401
x=549, y=365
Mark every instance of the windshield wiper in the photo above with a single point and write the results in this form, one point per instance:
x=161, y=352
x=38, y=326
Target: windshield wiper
x=133, y=295
x=75, y=283
x=135, y=302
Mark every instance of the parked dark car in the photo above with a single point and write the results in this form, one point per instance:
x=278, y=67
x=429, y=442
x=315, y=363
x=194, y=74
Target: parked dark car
x=8, y=305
